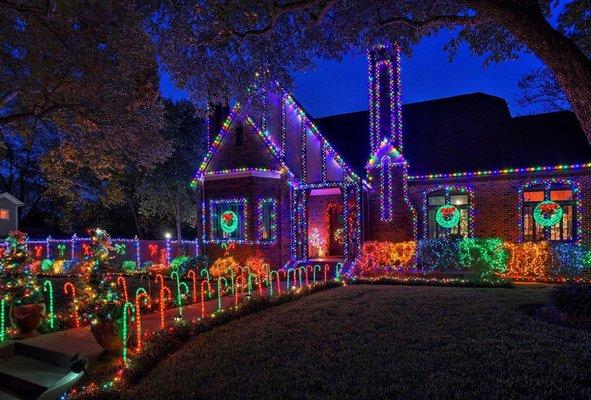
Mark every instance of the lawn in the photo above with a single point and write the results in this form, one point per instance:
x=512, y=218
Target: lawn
x=373, y=342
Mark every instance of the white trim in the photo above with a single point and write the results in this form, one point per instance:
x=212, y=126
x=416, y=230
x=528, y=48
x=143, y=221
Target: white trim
x=12, y=199
x=243, y=174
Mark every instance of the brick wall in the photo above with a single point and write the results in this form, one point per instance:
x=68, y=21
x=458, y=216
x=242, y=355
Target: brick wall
x=495, y=201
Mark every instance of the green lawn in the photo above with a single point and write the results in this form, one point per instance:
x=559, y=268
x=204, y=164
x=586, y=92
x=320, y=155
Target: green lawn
x=374, y=342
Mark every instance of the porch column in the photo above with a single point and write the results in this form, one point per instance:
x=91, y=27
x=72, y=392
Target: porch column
x=346, y=233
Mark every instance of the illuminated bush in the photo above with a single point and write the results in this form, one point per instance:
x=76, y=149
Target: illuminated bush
x=256, y=265
x=438, y=255
x=529, y=259
x=484, y=256
x=221, y=265
x=567, y=259
x=383, y=257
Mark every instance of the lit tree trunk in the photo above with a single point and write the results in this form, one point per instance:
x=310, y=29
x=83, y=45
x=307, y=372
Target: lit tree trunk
x=572, y=69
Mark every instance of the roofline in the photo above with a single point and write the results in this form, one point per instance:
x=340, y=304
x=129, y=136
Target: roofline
x=504, y=171
x=11, y=198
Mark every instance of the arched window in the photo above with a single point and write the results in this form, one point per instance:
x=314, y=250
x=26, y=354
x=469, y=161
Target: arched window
x=461, y=200
x=562, y=194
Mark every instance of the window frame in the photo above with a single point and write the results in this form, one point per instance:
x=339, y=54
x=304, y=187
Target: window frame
x=448, y=192
x=545, y=233
x=242, y=221
x=272, y=220
x=5, y=211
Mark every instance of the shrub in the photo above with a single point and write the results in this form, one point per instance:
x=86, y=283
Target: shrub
x=129, y=266
x=221, y=265
x=438, y=255
x=381, y=257
x=567, y=259
x=573, y=299
x=256, y=265
x=528, y=259
x=484, y=256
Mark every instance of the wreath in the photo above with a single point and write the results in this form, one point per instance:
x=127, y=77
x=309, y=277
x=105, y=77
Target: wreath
x=229, y=221
x=548, y=213
x=447, y=216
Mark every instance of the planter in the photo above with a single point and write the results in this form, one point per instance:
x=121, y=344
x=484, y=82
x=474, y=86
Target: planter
x=26, y=319
x=108, y=335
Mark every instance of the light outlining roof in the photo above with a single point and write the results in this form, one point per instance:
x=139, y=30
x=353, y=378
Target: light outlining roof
x=12, y=199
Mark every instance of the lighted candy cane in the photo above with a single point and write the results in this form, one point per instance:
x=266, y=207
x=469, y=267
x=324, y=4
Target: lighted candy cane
x=127, y=307
x=271, y=283
x=268, y=271
x=153, y=248
x=337, y=271
x=249, y=282
x=179, y=294
x=314, y=272
x=160, y=279
x=61, y=248
x=308, y=267
x=120, y=248
x=203, y=282
x=140, y=294
x=260, y=284
x=149, y=283
x=70, y=285
x=220, y=291
x=2, y=320
x=48, y=287
x=232, y=279
x=240, y=278
x=165, y=294
x=326, y=268
x=123, y=284
x=300, y=269
x=205, y=273
x=193, y=276
x=38, y=251
x=287, y=276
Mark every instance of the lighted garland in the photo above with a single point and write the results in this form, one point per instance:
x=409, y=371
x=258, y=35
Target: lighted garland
x=548, y=213
x=447, y=216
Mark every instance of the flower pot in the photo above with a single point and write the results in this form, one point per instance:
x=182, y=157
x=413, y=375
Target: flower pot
x=108, y=335
x=26, y=319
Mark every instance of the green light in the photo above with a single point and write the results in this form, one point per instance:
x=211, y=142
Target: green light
x=229, y=221
x=2, y=320
x=48, y=287
x=131, y=308
x=447, y=216
x=220, y=291
x=548, y=213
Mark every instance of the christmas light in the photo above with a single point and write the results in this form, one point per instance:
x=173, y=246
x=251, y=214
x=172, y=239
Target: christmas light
x=165, y=295
x=140, y=294
x=193, y=276
x=548, y=213
x=127, y=307
x=447, y=216
x=48, y=287
x=203, y=283
x=220, y=279
x=69, y=287
x=122, y=283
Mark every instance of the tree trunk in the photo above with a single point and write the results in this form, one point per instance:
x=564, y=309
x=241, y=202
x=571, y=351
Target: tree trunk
x=572, y=69
x=177, y=217
x=135, y=220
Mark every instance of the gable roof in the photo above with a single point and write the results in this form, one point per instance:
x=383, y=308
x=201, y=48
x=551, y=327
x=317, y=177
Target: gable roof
x=11, y=198
x=466, y=133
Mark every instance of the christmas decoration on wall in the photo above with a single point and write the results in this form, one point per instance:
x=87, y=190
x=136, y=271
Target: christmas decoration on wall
x=318, y=242
x=229, y=222
x=548, y=213
x=447, y=216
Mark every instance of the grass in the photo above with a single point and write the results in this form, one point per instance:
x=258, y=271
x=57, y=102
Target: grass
x=370, y=342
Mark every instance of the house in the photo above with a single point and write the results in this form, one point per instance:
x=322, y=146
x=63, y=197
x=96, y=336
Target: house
x=289, y=188
x=8, y=213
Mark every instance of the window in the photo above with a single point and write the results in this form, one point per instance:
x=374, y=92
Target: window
x=458, y=198
x=239, y=136
x=4, y=214
x=228, y=219
x=564, y=230
x=267, y=220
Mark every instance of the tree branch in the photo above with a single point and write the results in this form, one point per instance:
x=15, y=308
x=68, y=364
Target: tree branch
x=434, y=21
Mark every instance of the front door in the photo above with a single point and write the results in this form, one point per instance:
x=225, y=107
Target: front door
x=336, y=231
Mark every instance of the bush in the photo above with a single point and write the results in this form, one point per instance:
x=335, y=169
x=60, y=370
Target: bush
x=484, y=256
x=567, y=259
x=184, y=263
x=438, y=255
x=573, y=299
x=382, y=257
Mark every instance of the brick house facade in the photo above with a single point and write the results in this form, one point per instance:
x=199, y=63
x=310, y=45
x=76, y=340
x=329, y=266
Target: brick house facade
x=285, y=187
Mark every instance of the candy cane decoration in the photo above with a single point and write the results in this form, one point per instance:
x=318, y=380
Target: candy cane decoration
x=203, y=282
x=140, y=294
x=127, y=308
x=193, y=276
x=240, y=278
x=232, y=279
x=326, y=267
x=149, y=283
x=165, y=294
x=314, y=272
x=205, y=273
x=260, y=283
x=48, y=287
x=337, y=271
x=70, y=285
x=160, y=280
x=122, y=283
x=220, y=291
x=308, y=267
x=271, y=283
x=2, y=320
x=294, y=277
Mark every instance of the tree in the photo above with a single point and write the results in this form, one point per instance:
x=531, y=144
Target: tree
x=215, y=49
x=165, y=193
x=85, y=71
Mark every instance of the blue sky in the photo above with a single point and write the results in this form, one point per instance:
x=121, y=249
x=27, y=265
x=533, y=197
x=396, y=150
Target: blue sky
x=341, y=87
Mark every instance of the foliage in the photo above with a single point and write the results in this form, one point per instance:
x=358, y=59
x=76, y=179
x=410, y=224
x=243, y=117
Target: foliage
x=438, y=255
x=256, y=265
x=572, y=299
x=221, y=265
x=165, y=193
x=129, y=266
x=481, y=281
x=528, y=259
x=18, y=283
x=183, y=264
x=380, y=257
x=485, y=256
x=567, y=260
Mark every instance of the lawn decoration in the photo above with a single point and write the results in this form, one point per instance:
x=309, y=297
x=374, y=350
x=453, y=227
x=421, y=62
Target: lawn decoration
x=229, y=222
x=127, y=308
x=122, y=283
x=20, y=287
x=140, y=294
x=203, y=283
x=232, y=280
x=165, y=295
x=179, y=291
x=193, y=276
x=2, y=320
x=447, y=216
x=71, y=289
x=61, y=248
x=48, y=287
x=548, y=213
x=292, y=270
x=326, y=268
x=316, y=267
x=337, y=271
x=271, y=282
x=220, y=279
x=240, y=279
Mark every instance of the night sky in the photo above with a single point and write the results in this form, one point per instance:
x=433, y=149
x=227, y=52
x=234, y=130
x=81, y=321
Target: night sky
x=341, y=87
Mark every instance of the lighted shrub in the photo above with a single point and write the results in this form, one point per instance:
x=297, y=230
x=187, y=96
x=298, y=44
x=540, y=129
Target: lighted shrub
x=567, y=259
x=221, y=265
x=183, y=264
x=382, y=257
x=256, y=265
x=484, y=256
x=573, y=299
x=438, y=255
x=529, y=259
